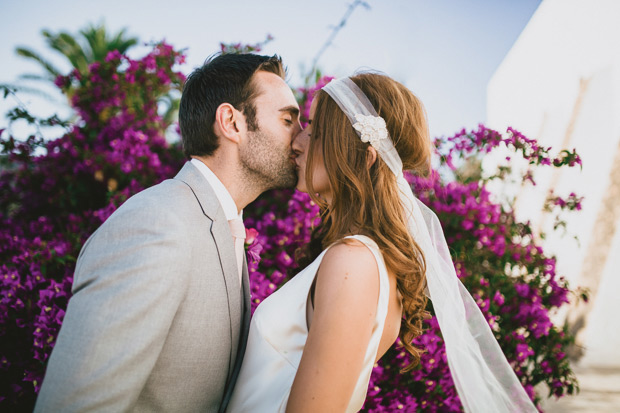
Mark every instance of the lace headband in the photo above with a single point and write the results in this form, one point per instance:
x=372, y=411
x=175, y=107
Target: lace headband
x=482, y=375
x=369, y=126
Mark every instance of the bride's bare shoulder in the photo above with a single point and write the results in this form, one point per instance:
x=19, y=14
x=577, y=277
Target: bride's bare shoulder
x=349, y=266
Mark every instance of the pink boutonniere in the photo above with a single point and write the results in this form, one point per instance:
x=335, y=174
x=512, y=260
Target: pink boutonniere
x=250, y=236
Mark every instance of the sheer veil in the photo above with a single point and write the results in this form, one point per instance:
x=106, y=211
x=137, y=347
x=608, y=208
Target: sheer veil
x=483, y=377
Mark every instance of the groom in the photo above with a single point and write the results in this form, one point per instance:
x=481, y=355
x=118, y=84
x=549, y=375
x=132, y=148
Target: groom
x=160, y=308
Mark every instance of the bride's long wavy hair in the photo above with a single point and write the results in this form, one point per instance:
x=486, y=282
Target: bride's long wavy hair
x=367, y=200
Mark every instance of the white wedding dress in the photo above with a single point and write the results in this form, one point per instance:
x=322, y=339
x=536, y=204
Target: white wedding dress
x=278, y=333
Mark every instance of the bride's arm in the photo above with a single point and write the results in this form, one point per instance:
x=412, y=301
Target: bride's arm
x=345, y=306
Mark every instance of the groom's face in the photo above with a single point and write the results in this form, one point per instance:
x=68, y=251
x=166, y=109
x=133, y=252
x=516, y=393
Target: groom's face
x=266, y=153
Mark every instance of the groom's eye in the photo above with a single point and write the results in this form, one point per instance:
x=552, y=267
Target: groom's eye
x=288, y=121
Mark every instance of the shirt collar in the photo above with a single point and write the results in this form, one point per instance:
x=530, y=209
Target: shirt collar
x=222, y=194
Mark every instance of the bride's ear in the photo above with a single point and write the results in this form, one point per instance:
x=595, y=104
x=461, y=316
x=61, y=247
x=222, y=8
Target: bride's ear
x=371, y=156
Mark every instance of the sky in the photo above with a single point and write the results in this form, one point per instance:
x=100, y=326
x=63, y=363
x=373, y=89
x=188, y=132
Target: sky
x=445, y=51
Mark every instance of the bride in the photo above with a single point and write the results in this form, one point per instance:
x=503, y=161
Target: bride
x=377, y=255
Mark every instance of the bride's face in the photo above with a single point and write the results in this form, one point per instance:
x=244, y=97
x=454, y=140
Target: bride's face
x=301, y=145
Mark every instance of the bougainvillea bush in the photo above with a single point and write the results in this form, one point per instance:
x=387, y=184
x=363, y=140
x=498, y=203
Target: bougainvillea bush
x=55, y=193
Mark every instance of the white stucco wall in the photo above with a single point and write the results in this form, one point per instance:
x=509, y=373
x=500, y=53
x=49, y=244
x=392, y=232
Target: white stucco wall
x=561, y=82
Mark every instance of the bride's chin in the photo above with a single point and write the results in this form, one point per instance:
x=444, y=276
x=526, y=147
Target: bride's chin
x=301, y=183
x=301, y=187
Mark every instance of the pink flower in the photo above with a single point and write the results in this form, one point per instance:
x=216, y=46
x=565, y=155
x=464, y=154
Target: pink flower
x=467, y=224
x=523, y=352
x=253, y=253
x=250, y=236
x=498, y=298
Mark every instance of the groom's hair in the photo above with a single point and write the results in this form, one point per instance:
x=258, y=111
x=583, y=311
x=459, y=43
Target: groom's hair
x=224, y=78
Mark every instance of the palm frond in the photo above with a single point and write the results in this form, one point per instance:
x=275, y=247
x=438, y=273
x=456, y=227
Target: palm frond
x=67, y=45
x=38, y=78
x=96, y=38
x=92, y=45
x=31, y=54
x=122, y=43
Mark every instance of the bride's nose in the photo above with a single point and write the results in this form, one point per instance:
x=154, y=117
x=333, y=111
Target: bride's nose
x=300, y=142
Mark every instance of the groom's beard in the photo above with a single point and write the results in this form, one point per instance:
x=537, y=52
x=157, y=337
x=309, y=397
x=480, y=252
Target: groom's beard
x=267, y=163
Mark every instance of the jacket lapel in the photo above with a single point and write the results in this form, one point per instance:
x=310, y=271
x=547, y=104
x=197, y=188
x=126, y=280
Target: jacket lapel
x=247, y=313
x=225, y=248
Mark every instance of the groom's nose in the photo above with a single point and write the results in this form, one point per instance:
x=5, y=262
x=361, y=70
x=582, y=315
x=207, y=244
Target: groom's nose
x=297, y=130
x=299, y=142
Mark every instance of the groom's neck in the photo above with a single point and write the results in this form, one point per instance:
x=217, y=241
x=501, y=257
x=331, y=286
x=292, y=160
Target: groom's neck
x=229, y=173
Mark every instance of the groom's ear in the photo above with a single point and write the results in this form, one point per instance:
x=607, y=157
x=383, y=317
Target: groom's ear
x=228, y=122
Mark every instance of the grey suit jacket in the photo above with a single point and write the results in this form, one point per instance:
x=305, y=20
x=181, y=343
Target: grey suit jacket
x=158, y=320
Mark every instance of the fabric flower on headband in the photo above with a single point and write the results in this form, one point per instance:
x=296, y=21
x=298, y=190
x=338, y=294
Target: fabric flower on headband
x=371, y=128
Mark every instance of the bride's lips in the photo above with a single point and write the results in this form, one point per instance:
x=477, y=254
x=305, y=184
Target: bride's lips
x=294, y=162
x=298, y=166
